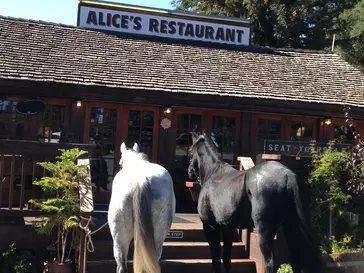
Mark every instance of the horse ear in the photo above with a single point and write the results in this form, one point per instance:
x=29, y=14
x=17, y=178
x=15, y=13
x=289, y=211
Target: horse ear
x=122, y=147
x=194, y=136
x=136, y=147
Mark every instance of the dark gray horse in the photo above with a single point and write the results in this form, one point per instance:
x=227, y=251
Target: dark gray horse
x=267, y=196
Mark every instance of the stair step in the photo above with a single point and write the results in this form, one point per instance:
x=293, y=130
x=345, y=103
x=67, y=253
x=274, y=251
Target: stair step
x=176, y=266
x=191, y=233
x=171, y=250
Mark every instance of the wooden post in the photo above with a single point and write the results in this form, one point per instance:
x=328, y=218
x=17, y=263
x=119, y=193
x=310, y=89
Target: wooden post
x=22, y=187
x=86, y=209
x=1, y=178
x=12, y=177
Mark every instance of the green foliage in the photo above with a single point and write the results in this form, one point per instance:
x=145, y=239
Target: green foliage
x=298, y=24
x=351, y=35
x=13, y=261
x=62, y=204
x=326, y=178
x=285, y=268
x=345, y=245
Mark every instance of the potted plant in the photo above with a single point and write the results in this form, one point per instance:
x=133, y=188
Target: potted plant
x=61, y=206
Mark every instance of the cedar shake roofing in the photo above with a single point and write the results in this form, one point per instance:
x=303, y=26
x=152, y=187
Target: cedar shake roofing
x=39, y=51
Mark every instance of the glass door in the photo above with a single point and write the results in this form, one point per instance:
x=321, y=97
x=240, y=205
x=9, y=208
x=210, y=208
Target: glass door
x=101, y=129
x=142, y=128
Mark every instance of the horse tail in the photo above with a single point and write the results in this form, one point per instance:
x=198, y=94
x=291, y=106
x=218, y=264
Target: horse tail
x=314, y=261
x=145, y=256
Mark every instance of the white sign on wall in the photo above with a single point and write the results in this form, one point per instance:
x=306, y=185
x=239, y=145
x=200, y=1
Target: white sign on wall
x=161, y=26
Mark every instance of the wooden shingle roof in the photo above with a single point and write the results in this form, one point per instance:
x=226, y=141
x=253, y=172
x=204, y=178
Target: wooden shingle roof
x=39, y=51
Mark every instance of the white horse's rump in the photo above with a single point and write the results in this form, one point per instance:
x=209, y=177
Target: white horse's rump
x=142, y=208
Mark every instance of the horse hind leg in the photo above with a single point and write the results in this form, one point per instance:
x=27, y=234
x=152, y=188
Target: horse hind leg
x=121, y=249
x=294, y=246
x=212, y=235
x=228, y=243
x=122, y=236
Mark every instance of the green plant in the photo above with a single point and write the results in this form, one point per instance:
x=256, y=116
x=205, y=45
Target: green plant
x=326, y=178
x=13, y=261
x=62, y=204
x=285, y=268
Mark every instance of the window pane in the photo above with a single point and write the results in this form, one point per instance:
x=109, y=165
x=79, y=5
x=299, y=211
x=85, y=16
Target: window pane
x=134, y=118
x=267, y=129
x=344, y=133
x=223, y=136
x=11, y=122
x=301, y=131
x=50, y=123
x=141, y=131
x=186, y=123
x=103, y=133
x=148, y=119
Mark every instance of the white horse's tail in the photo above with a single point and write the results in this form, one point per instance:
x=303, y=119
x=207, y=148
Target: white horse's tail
x=145, y=256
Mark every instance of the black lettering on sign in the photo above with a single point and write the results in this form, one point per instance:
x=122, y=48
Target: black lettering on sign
x=180, y=28
x=189, y=30
x=209, y=33
x=164, y=26
x=137, y=23
x=115, y=19
x=124, y=21
x=91, y=18
x=172, y=27
x=220, y=34
x=200, y=31
x=101, y=19
x=108, y=19
x=153, y=25
x=240, y=35
x=230, y=35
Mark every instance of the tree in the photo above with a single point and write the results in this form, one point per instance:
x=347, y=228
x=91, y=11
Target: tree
x=309, y=24
x=351, y=35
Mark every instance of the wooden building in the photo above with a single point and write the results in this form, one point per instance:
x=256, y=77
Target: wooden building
x=104, y=88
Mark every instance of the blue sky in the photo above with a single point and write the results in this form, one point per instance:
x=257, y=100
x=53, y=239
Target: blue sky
x=60, y=11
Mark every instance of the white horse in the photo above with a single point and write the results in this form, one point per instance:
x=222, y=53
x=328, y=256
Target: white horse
x=142, y=208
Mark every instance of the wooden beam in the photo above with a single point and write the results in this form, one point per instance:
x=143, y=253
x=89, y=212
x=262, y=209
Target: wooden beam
x=271, y=156
x=85, y=188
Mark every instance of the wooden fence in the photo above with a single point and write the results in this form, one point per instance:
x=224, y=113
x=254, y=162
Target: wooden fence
x=19, y=168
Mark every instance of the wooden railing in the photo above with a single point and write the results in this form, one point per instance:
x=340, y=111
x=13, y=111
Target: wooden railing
x=19, y=168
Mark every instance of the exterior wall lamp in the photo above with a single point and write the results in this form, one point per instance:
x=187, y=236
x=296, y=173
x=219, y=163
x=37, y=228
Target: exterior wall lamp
x=78, y=104
x=167, y=110
x=327, y=121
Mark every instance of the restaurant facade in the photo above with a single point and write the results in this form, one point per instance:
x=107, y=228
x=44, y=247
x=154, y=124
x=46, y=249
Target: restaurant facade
x=134, y=74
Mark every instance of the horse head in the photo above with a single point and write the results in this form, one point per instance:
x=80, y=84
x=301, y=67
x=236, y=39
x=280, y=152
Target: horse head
x=202, y=154
x=125, y=151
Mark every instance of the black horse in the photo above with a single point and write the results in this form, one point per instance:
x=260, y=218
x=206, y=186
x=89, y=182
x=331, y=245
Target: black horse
x=267, y=197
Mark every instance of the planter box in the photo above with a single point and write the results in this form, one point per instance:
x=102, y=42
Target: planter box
x=346, y=263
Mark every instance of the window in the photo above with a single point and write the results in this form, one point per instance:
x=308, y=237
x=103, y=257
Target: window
x=267, y=129
x=50, y=123
x=186, y=123
x=343, y=133
x=301, y=131
x=223, y=136
x=11, y=122
x=140, y=130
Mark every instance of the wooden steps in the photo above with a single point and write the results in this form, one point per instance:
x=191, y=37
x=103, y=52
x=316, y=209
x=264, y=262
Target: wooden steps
x=191, y=253
x=175, y=266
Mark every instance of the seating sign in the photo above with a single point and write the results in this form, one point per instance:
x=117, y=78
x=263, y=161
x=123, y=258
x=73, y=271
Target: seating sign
x=246, y=163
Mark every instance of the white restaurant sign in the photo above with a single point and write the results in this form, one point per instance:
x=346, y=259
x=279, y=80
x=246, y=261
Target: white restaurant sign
x=162, y=26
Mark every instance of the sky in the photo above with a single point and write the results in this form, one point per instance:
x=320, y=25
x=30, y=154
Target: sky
x=61, y=11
